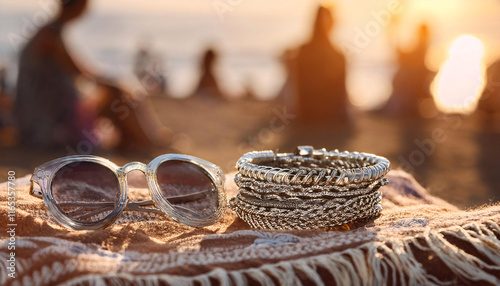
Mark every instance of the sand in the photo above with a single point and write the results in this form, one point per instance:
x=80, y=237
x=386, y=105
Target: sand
x=450, y=155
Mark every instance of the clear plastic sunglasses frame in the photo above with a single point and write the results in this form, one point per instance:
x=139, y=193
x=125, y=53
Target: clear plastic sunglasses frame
x=44, y=175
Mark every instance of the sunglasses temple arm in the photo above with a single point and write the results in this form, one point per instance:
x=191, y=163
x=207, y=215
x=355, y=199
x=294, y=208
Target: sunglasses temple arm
x=138, y=206
x=131, y=206
x=35, y=193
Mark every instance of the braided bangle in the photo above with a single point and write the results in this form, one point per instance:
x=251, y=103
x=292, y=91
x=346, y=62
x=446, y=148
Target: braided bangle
x=308, y=189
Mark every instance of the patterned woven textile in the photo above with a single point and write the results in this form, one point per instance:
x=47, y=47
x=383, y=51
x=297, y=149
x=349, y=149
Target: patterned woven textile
x=418, y=240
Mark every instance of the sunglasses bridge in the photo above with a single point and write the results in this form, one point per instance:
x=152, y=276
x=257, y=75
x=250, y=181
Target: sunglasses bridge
x=138, y=206
x=133, y=166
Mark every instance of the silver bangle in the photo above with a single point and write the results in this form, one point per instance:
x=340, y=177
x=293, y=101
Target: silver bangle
x=308, y=189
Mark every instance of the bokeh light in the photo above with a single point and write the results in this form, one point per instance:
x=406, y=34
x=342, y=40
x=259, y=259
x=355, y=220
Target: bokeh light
x=460, y=80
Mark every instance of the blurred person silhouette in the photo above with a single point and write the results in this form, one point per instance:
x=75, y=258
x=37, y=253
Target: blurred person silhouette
x=287, y=94
x=148, y=69
x=208, y=87
x=3, y=76
x=488, y=139
x=5, y=100
x=317, y=83
x=7, y=129
x=488, y=107
x=411, y=101
x=50, y=110
x=411, y=84
x=318, y=76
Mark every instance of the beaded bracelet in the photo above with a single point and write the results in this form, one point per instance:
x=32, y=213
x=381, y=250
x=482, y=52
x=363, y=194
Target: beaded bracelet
x=308, y=189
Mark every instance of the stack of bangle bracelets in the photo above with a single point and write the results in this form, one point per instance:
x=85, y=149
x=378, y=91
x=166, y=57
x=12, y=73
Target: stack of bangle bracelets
x=308, y=189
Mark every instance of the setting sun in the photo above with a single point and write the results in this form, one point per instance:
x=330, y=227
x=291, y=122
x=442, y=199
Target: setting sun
x=460, y=80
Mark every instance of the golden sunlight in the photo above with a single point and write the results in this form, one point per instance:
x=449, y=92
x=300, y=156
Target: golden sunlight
x=460, y=80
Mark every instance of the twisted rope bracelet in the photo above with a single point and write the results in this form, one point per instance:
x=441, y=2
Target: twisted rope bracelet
x=308, y=189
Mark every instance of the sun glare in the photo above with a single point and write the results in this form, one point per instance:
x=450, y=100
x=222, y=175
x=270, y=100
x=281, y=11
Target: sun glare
x=460, y=80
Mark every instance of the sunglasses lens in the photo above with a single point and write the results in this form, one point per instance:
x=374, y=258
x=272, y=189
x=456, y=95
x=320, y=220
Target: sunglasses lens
x=86, y=191
x=188, y=188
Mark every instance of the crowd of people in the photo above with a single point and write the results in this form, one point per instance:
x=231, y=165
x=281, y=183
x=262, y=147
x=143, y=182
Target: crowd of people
x=51, y=111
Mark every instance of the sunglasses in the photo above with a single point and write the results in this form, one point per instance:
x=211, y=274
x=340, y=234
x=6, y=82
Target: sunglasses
x=89, y=192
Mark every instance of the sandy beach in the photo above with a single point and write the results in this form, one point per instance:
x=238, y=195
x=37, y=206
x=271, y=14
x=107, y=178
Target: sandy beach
x=449, y=155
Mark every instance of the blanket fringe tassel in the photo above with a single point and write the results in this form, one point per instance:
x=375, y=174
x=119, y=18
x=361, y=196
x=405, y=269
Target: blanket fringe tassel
x=469, y=254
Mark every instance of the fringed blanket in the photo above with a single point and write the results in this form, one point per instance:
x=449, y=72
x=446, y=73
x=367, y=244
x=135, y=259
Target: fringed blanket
x=418, y=240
